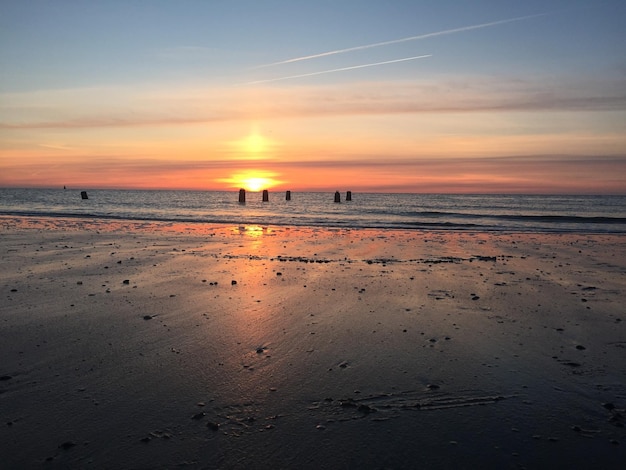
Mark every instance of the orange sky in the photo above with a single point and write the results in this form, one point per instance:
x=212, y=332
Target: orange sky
x=419, y=152
x=454, y=100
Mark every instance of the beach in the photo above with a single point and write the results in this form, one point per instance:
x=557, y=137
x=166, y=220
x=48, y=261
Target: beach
x=171, y=345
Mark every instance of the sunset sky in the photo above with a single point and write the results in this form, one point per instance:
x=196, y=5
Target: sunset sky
x=449, y=96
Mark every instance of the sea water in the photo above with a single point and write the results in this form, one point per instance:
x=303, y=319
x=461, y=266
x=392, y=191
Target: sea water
x=526, y=213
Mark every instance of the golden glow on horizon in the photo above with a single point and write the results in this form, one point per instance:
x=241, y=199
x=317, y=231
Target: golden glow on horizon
x=251, y=180
x=365, y=153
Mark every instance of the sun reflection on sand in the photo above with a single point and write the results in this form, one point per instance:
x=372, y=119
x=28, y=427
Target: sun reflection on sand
x=256, y=291
x=254, y=235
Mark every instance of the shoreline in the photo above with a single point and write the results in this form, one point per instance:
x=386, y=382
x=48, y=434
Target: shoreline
x=157, y=345
x=97, y=222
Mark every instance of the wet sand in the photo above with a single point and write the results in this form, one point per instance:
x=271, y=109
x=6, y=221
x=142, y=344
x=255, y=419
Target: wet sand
x=141, y=345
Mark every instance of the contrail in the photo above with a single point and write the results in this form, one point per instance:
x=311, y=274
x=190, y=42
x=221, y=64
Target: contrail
x=338, y=70
x=396, y=41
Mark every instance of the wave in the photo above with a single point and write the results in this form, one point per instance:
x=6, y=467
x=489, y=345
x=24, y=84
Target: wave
x=577, y=219
x=415, y=220
x=585, y=214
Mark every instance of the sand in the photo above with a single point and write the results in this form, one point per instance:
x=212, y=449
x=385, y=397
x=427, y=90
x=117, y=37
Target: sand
x=145, y=345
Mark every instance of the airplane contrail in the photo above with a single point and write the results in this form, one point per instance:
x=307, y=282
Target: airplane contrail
x=338, y=70
x=396, y=41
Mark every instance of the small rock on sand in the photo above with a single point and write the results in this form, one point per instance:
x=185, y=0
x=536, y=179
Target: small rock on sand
x=67, y=445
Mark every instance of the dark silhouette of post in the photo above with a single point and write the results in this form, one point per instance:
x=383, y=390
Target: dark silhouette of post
x=337, y=196
x=83, y=195
x=349, y=196
x=288, y=196
x=242, y=196
x=266, y=195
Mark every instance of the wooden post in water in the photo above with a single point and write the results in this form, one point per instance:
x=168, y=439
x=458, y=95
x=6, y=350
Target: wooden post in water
x=83, y=195
x=337, y=196
x=266, y=195
x=349, y=196
x=288, y=196
x=242, y=196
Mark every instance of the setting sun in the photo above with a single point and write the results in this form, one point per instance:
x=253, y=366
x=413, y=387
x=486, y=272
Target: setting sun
x=255, y=184
x=252, y=180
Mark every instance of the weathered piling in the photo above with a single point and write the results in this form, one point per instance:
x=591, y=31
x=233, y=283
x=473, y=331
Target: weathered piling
x=337, y=196
x=83, y=195
x=349, y=196
x=266, y=195
x=288, y=196
x=242, y=196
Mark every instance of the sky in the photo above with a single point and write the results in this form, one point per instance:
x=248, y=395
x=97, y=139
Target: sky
x=418, y=96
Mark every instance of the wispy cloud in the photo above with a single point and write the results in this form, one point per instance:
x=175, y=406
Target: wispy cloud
x=56, y=146
x=342, y=69
x=398, y=41
x=522, y=173
x=111, y=121
x=190, y=106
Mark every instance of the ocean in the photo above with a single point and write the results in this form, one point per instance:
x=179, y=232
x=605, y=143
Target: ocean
x=511, y=213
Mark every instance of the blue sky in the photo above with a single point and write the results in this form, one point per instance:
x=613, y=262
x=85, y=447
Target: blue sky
x=72, y=43
x=481, y=79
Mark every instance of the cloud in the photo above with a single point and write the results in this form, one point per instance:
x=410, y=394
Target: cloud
x=152, y=107
x=119, y=163
x=57, y=146
x=110, y=121
x=532, y=173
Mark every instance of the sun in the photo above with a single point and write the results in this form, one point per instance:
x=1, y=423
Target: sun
x=252, y=180
x=256, y=184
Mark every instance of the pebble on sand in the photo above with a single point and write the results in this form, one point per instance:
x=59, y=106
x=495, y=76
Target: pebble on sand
x=67, y=445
